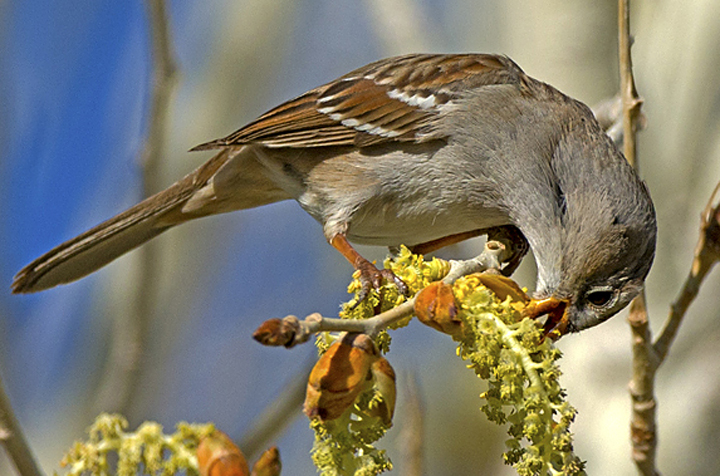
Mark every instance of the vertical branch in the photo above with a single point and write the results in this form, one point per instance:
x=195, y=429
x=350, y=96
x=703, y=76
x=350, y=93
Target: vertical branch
x=645, y=362
x=129, y=335
x=630, y=101
x=12, y=438
x=643, y=431
x=164, y=80
x=649, y=355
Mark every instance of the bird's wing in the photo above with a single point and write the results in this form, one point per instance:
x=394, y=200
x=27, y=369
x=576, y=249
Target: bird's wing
x=393, y=100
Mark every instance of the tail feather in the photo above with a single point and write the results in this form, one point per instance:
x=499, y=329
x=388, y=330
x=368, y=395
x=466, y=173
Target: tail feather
x=93, y=249
x=109, y=240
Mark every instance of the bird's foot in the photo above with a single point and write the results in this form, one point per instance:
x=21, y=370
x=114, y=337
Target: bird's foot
x=515, y=244
x=372, y=278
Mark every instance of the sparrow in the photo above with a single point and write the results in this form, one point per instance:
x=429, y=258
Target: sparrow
x=423, y=150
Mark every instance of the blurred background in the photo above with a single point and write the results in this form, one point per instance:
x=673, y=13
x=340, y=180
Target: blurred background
x=75, y=81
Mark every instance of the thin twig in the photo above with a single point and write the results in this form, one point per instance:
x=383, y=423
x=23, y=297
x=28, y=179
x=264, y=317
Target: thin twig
x=609, y=114
x=12, y=438
x=648, y=357
x=291, y=331
x=630, y=99
x=127, y=350
x=707, y=254
x=642, y=420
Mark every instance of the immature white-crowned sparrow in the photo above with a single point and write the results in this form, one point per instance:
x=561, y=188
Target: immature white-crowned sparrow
x=422, y=150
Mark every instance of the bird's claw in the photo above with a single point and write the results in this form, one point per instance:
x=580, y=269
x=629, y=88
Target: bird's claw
x=515, y=243
x=372, y=278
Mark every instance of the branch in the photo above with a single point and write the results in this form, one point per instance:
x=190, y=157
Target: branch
x=645, y=362
x=12, y=438
x=648, y=356
x=291, y=331
x=630, y=100
x=127, y=351
x=643, y=433
x=707, y=254
x=609, y=115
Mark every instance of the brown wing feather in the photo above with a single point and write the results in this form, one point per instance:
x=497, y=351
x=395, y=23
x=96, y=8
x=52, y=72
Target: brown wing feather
x=396, y=99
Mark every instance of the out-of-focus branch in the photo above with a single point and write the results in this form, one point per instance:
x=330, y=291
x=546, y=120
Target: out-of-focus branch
x=609, y=114
x=12, y=438
x=164, y=81
x=277, y=415
x=399, y=24
x=412, y=434
x=129, y=335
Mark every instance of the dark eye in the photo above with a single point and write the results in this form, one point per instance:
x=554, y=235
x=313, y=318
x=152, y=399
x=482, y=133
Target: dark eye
x=600, y=298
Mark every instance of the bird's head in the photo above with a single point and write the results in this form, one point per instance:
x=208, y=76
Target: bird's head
x=595, y=258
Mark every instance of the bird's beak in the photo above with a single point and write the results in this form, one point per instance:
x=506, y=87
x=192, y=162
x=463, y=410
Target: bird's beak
x=557, y=317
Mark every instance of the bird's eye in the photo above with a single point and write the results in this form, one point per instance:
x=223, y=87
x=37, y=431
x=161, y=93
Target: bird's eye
x=601, y=297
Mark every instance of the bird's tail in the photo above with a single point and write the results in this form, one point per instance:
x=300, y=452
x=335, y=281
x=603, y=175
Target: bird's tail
x=107, y=241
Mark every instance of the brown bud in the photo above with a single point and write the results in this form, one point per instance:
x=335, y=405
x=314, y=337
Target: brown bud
x=339, y=376
x=435, y=307
x=268, y=464
x=276, y=332
x=218, y=456
x=384, y=381
x=504, y=287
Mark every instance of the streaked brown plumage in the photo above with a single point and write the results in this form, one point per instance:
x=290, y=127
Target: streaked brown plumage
x=418, y=149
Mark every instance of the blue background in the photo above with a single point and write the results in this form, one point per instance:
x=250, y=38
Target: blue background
x=74, y=98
